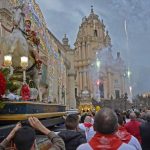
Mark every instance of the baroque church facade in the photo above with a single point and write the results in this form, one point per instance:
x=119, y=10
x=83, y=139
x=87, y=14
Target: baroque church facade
x=98, y=73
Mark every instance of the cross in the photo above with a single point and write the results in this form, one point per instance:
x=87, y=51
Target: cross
x=91, y=8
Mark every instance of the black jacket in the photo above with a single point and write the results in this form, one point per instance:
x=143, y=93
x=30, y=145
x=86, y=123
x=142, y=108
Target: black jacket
x=145, y=135
x=72, y=139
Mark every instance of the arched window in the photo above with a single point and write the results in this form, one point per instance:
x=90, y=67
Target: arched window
x=95, y=33
x=117, y=94
x=59, y=52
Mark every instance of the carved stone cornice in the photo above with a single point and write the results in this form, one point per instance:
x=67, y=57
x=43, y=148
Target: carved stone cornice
x=71, y=72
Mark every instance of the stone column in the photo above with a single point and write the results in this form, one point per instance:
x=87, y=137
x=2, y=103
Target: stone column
x=80, y=52
x=89, y=82
x=83, y=63
x=72, y=100
x=84, y=79
x=88, y=50
x=87, y=79
x=83, y=50
x=80, y=80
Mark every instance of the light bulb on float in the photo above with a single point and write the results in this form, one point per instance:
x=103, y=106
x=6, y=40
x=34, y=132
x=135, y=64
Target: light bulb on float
x=24, y=65
x=24, y=62
x=25, y=90
x=7, y=60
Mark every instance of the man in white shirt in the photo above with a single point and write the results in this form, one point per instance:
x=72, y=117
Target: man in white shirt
x=105, y=125
x=125, y=136
x=87, y=127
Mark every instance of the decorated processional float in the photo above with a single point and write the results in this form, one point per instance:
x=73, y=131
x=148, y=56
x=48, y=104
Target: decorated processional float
x=21, y=72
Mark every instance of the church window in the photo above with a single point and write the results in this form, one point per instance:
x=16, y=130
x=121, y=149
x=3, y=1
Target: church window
x=117, y=94
x=116, y=81
x=95, y=33
x=59, y=52
x=75, y=92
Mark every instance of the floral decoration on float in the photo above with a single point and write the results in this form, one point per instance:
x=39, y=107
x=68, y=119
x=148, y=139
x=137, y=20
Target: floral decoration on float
x=25, y=92
x=2, y=84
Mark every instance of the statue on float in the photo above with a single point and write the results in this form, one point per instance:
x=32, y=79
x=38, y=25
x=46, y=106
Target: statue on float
x=22, y=41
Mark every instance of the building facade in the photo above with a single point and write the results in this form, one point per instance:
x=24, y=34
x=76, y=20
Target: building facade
x=98, y=73
x=56, y=77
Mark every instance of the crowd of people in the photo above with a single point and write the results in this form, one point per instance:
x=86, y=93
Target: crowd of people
x=105, y=130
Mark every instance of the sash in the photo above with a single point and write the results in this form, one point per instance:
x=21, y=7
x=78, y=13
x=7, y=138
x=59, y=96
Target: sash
x=105, y=142
x=123, y=135
x=88, y=125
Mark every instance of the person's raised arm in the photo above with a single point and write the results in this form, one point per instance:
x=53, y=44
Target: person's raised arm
x=57, y=142
x=10, y=136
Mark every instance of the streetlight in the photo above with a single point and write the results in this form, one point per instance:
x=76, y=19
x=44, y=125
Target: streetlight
x=98, y=63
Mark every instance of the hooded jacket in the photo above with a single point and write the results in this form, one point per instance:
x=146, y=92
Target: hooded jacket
x=145, y=134
x=72, y=139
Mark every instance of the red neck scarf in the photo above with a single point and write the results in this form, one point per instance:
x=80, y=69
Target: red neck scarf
x=105, y=142
x=88, y=125
x=123, y=135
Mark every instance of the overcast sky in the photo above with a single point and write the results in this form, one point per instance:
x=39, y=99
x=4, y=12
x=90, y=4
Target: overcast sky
x=65, y=16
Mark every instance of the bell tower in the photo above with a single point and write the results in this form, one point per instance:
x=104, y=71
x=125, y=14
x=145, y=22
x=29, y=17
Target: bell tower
x=91, y=37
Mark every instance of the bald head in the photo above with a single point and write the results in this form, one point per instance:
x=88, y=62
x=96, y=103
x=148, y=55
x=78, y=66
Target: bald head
x=88, y=119
x=105, y=121
x=132, y=116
